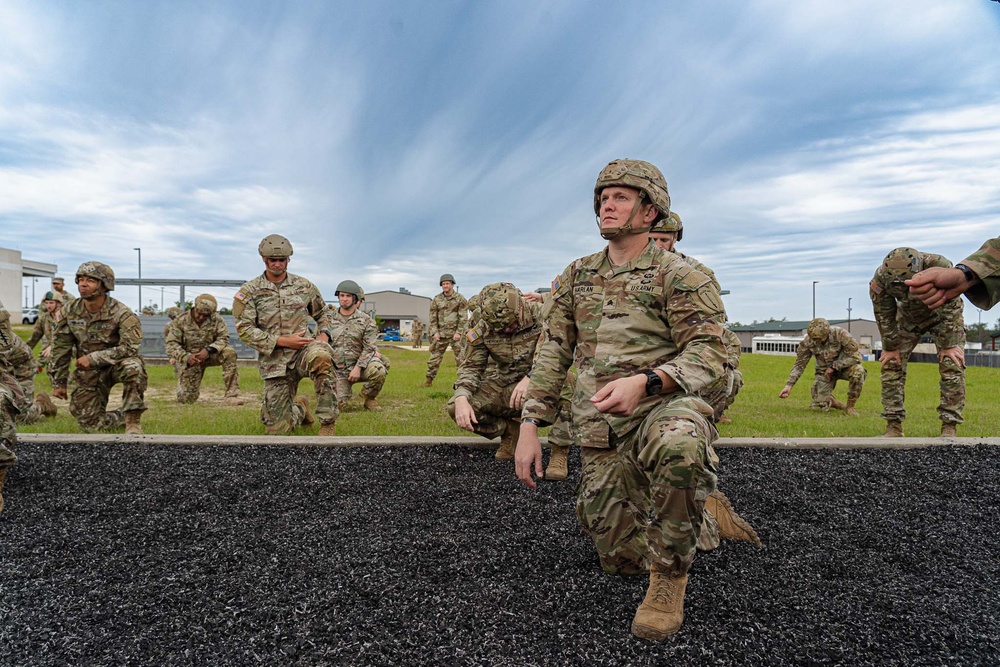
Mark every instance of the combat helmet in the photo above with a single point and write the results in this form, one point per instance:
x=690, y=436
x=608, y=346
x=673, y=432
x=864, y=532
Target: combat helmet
x=205, y=303
x=350, y=287
x=275, y=245
x=818, y=329
x=446, y=277
x=670, y=223
x=97, y=271
x=50, y=296
x=899, y=265
x=173, y=312
x=500, y=305
x=638, y=175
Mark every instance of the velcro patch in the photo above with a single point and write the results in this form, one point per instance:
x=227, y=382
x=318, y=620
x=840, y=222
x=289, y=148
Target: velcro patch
x=240, y=296
x=875, y=287
x=472, y=335
x=555, y=284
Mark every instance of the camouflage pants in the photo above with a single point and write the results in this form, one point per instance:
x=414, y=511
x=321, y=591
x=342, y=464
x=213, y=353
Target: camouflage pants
x=373, y=375
x=278, y=408
x=822, y=388
x=491, y=403
x=722, y=393
x=438, y=348
x=561, y=433
x=12, y=403
x=644, y=501
x=92, y=387
x=189, y=377
x=894, y=381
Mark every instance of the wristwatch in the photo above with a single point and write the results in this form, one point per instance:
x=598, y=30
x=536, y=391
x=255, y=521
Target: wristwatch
x=970, y=275
x=654, y=385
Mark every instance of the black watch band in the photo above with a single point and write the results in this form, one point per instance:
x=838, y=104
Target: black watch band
x=531, y=420
x=970, y=275
x=654, y=385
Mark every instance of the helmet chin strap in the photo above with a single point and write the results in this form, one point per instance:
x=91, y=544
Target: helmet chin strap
x=610, y=233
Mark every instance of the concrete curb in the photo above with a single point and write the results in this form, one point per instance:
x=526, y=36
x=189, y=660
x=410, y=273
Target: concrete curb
x=471, y=442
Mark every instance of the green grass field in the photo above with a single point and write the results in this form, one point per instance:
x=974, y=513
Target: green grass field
x=409, y=409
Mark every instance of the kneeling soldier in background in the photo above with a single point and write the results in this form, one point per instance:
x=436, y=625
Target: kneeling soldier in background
x=196, y=340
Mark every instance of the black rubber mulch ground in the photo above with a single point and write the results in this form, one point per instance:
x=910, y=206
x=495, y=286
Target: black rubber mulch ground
x=139, y=555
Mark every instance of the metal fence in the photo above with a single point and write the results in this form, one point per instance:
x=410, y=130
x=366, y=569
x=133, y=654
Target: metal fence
x=983, y=359
x=154, y=346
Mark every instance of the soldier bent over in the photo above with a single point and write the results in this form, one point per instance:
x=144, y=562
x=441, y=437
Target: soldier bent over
x=106, y=335
x=644, y=329
x=272, y=314
x=196, y=340
x=356, y=357
x=837, y=358
x=489, y=397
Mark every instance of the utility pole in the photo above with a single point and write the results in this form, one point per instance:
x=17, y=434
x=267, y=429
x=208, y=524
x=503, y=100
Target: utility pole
x=848, y=314
x=814, y=298
x=139, y=250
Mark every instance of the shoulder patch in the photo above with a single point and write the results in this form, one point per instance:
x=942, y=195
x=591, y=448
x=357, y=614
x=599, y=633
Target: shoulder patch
x=240, y=296
x=555, y=284
x=875, y=287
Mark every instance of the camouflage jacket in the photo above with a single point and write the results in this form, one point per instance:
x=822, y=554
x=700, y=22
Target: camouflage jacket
x=106, y=337
x=45, y=327
x=448, y=315
x=698, y=266
x=733, y=350
x=838, y=351
x=185, y=336
x=494, y=355
x=352, y=339
x=896, y=312
x=655, y=312
x=264, y=311
x=15, y=355
x=985, y=262
x=66, y=298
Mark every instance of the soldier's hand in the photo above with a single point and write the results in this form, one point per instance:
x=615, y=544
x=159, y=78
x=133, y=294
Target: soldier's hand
x=621, y=396
x=83, y=362
x=956, y=354
x=465, y=416
x=937, y=285
x=59, y=392
x=890, y=355
x=323, y=337
x=785, y=392
x=534, y=297
x=355, y=374
x=295, y=341
x=520, y=390
x=457, y=336
x=528, y=455
x=828, y=373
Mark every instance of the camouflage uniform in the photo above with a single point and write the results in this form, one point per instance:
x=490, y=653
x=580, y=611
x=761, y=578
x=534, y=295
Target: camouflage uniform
x=110, y=338
x=353, y=341
x=264, y=311
x=185, y=337
x=722, y=393
x=646, y=476
x=985, y=263
x=840, y=352
x=902, y=319
x=488, y=386
x=417, y=334
x=45, y=327
x=448, y=316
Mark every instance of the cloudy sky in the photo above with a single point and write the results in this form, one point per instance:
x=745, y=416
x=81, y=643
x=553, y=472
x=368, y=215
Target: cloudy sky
x=395, y=141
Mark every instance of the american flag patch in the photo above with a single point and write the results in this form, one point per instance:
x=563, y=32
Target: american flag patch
x=240, y=296
x=472, y=335
x=875, y=287
x=555, y=284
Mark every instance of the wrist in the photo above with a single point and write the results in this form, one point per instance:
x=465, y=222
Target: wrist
x=654, y=383
x=531, y=420
x=970, y=275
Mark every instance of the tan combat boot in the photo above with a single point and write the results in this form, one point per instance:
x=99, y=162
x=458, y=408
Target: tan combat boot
x=428, y=382
x=949, y=430
x=233, y=400
x=558, y=466
x=132, y=425
x=281, y=428
x=371, y=403
x=835, y=404
x=49, y=408
x=661, y=613
x=731, y=525
x=508, y=441
x=328, y=430
x=849, y=408
x=893, y=429
x=307, y=417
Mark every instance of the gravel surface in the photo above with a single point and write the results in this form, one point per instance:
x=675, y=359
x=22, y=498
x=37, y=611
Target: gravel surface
x=163, y=555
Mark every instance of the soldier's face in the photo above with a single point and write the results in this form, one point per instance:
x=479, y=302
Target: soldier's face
x=664, y=240
x=617, y=204
x=199, y=316
x=447, y=287
x=90, y=288
x=346, y=300
x=50, y=305
x=277, y=267
x=57, y=287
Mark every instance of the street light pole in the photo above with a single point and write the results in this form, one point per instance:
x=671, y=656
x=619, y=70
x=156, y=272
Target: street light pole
x=139, y=250
x=25, y=296
x=814, y=298
x=848, y=314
